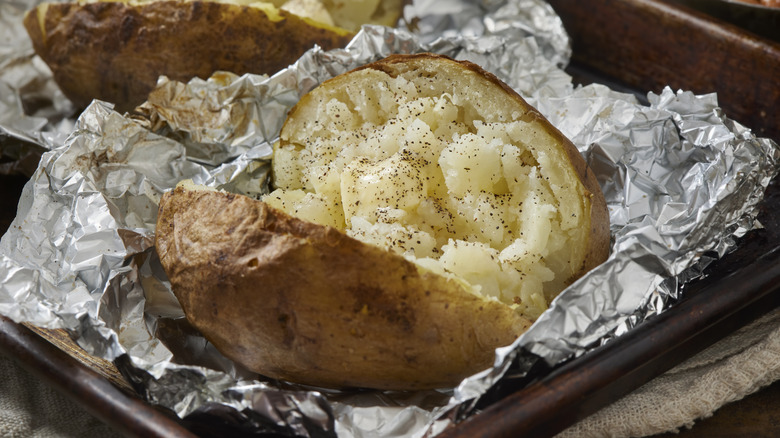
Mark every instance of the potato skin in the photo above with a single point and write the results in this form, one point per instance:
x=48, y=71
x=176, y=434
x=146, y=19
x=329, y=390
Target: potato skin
x=115, y=51
x=302, y=302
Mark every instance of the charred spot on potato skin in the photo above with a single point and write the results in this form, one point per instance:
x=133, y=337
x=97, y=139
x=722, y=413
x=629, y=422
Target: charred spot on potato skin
x=127, y=28
x=198, y=11
x=286, y=326
x=222, y=278
x=392, y=308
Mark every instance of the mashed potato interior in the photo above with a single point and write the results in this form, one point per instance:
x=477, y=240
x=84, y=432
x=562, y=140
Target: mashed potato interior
x=443, y=178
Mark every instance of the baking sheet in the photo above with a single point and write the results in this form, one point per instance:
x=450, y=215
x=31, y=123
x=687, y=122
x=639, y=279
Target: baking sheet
x=667, y=96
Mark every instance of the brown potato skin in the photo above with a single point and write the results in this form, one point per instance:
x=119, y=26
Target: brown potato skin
x=302, y=302
x=116, y=52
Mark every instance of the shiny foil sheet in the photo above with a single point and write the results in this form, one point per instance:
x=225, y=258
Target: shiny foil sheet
x=34, y=114
x=681, y=180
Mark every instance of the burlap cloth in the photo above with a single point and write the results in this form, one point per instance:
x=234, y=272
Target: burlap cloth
x=728, y=371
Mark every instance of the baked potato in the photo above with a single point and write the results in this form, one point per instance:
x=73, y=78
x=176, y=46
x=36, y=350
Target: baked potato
x=116, y=50
x=423, y=215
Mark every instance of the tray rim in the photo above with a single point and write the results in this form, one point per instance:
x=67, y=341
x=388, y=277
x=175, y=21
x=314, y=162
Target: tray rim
x=11, y=332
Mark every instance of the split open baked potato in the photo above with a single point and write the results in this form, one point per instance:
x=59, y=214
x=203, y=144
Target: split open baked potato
x=423, y=215
x=116, y=50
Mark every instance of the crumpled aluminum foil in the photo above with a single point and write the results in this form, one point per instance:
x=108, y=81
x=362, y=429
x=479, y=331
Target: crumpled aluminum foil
x=34, y=114
x=682, y=181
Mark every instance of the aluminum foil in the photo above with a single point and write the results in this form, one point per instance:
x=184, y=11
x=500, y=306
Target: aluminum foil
x=34, y=114
x=681, y=179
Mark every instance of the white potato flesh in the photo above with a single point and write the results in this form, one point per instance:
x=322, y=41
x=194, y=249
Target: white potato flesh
x=445, y=177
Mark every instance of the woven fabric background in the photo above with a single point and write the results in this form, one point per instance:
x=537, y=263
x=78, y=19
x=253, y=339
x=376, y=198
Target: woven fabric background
x=729, y=370
x=29, y=408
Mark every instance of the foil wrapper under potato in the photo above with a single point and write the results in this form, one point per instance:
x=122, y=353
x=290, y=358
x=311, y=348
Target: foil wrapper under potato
x=682, y=182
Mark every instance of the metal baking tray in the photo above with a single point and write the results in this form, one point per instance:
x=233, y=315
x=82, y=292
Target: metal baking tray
x=630, y=45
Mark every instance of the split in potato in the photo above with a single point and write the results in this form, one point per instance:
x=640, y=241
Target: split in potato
x=423, y=216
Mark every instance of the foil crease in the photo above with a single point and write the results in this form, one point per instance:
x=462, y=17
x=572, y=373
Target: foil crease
x=682, y=182
x=34, y=114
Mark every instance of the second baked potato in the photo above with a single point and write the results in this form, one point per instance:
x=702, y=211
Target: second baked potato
x=116, y=50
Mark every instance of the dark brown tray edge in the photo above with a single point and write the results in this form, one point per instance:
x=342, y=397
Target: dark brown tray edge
x=62, y=340
x=680, y=48
x=575, y=410
x=127, y=414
